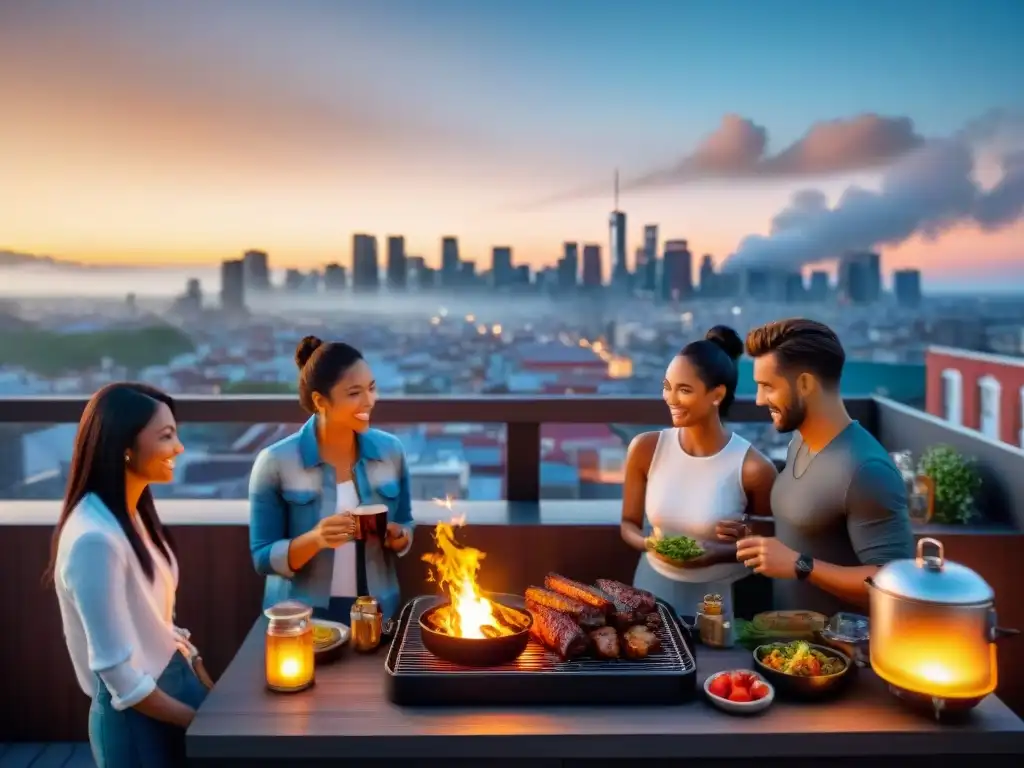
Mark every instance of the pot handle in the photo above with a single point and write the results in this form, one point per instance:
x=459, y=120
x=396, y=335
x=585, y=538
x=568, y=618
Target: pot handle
x=996, y=633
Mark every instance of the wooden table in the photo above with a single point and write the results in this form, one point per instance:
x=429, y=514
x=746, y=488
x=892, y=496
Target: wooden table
x=346, y=716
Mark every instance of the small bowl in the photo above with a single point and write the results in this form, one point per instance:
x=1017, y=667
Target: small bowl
x=740, y=707
x=325, y=654
x=805, y=688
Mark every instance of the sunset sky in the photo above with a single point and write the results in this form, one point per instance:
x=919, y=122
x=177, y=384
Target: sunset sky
x=185, y=132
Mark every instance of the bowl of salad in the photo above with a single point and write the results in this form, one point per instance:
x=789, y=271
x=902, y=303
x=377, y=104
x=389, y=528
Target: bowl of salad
x=675, y=550
x=803, y=670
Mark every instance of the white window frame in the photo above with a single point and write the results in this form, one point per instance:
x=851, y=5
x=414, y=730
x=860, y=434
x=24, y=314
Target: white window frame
x=990, y=388
x=953, y=407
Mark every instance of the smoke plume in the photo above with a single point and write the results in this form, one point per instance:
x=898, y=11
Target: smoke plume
x=926, y=192
x=738, y=150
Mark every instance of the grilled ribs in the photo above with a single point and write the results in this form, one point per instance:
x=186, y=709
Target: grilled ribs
x=639, y=600
x=639, y=642
x=587, y=616
x=605, y=642
x=556, y=631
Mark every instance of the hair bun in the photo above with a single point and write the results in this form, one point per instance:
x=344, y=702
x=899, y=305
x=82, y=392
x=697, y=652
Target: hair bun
x=726, y=339
x=305, y=350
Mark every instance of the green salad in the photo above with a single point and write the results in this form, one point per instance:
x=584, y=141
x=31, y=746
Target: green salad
x=678, y=548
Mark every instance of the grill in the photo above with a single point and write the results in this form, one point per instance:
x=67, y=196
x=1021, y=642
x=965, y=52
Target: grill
x=416, y=677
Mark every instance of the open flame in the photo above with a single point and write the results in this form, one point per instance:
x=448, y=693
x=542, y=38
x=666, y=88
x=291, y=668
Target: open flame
x=454, y=567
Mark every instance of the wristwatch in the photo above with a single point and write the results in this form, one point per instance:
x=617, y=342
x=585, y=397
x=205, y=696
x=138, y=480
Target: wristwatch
x=804, y=566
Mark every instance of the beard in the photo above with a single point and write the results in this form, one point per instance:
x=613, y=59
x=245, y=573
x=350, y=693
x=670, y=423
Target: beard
x=792, y=417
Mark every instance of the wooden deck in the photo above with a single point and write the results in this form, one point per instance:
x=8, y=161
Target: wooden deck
x=55, y=754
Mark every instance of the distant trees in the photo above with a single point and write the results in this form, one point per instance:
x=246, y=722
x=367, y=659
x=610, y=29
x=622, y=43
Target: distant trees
x=50, y=354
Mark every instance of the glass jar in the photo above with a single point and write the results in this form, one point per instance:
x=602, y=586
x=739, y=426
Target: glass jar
x=289, y=647
x=367, y=624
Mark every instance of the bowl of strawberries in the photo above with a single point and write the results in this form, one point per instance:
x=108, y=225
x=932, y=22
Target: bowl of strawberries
x=739, y=692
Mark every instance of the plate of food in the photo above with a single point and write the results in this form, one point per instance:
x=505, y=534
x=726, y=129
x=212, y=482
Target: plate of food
x=329, y=638
x=803, y=670
x=675, y=550
x=739, y=692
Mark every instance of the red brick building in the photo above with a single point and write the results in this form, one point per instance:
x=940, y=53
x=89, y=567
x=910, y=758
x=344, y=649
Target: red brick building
x=977, y=390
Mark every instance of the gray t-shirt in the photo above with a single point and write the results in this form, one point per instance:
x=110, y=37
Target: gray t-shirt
x=846, y=505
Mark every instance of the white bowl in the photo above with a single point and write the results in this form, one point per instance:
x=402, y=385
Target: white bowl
x=740, y=707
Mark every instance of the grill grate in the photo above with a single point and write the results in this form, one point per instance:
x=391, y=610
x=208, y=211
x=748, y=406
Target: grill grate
x=413, y=658
x=538, y=676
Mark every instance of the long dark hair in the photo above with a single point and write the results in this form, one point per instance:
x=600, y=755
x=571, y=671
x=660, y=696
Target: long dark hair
x=110, y=426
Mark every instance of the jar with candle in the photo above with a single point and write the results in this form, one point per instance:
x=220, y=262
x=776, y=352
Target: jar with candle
x=289, y=647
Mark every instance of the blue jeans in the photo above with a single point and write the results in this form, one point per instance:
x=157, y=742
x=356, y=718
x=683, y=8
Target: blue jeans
x=130, y=739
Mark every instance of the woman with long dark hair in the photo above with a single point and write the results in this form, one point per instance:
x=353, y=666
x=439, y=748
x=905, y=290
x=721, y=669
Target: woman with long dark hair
x=685, y=480
x=113, y=565
x=304, y=488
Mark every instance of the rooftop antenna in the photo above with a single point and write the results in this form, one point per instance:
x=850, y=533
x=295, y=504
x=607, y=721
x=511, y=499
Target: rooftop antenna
x=616, y=189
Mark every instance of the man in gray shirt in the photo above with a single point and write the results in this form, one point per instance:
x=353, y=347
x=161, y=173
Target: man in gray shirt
x=840, y=505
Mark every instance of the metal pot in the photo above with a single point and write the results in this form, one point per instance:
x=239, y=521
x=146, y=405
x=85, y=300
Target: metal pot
x=933, y=629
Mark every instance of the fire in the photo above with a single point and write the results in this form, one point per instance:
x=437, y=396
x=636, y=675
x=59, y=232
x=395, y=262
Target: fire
x=454, y=567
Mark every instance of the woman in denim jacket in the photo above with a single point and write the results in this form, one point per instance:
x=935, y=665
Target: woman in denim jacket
x=303, y=489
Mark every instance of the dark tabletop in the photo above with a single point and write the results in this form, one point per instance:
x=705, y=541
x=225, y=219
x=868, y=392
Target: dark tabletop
x=347, y=715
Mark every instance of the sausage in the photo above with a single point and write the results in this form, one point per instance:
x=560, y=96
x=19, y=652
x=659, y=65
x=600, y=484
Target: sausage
x=579, y=591
x=587, y=616
x=557, y=631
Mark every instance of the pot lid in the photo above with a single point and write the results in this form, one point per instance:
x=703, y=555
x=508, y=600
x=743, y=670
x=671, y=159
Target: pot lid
x=933, y=579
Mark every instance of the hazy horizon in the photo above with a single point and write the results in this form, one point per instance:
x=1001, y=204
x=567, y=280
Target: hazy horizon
x=183, y=134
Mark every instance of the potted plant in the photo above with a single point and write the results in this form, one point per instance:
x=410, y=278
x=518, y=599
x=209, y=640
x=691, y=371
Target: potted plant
x=954, y=480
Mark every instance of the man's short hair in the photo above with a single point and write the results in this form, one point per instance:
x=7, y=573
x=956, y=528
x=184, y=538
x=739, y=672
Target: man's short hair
x=800, y=346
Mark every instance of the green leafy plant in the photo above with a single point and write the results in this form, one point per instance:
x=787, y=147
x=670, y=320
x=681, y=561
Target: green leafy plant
x=956, y=482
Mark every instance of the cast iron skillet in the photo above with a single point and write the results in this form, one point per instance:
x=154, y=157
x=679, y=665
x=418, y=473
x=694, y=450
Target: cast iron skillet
x=478, y=652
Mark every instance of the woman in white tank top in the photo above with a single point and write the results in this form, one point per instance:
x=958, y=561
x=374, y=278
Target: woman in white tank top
x=685, y=480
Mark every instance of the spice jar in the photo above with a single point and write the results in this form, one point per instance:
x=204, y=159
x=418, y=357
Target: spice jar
x=713, y=625
x=367, y=624
x=289, y=647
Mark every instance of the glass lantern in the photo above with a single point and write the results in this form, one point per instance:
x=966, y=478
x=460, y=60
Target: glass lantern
x=289, y=647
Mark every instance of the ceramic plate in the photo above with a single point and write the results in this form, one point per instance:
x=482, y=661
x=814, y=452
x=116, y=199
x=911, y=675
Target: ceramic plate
x=343, y=631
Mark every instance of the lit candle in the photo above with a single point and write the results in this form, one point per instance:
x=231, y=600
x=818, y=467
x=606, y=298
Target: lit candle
x=289, y=647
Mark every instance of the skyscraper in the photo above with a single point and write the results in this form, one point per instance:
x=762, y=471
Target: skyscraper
x=592, y=272
x=501, y=266
x=397, y=266
x=569, y=267
x=449, y=261
x=677, y=271
x=860, y=277
x=707, y=277
x=256, y=266
x=232, y=285
x=617, y=243
x=906, y=284
x=365, y=269
x=334, y=278
x=647, y=271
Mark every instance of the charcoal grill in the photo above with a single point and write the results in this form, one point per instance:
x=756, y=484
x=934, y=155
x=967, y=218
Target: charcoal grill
x=416, y=677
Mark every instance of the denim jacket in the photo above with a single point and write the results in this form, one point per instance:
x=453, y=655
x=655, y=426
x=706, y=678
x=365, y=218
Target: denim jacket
x=291, y=488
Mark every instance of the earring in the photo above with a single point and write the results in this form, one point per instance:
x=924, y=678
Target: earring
x=717, y=403
x=127, y=459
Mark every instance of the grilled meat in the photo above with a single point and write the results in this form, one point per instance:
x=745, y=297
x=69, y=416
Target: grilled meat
x=510, y=619
x=605, y=643
x=639, y=642
x=557, y=631
x=587, y=616
x=639, y=600
x=579, y=591
x=652, y=621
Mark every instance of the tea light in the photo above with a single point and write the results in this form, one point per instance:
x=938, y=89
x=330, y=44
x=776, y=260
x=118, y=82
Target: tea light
x=289, y=647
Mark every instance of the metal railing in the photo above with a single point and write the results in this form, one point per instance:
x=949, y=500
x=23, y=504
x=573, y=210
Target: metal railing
x=521, y=415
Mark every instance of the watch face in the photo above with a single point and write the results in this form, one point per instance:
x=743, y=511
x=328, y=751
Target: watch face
x=804, y=566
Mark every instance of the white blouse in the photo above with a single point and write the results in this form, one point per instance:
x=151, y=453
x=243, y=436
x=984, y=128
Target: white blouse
x=343, y=578
x=117, y=623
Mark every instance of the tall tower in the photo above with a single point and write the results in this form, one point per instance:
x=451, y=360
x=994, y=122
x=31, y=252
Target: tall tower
x=617, y=237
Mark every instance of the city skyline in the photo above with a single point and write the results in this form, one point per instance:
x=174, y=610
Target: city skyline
x=188, y=134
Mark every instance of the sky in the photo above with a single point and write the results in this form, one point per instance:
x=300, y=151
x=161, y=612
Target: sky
x=148, y=132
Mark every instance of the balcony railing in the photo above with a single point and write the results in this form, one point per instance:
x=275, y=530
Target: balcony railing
x=522, y=416
x=220, y=593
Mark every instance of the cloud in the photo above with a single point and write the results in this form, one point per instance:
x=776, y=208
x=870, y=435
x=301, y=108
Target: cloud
x=926, y=192
x=738, y=150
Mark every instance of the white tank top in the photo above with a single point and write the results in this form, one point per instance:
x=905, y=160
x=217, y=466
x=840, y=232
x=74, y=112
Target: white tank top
x=343, y=578
x=687, y=495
